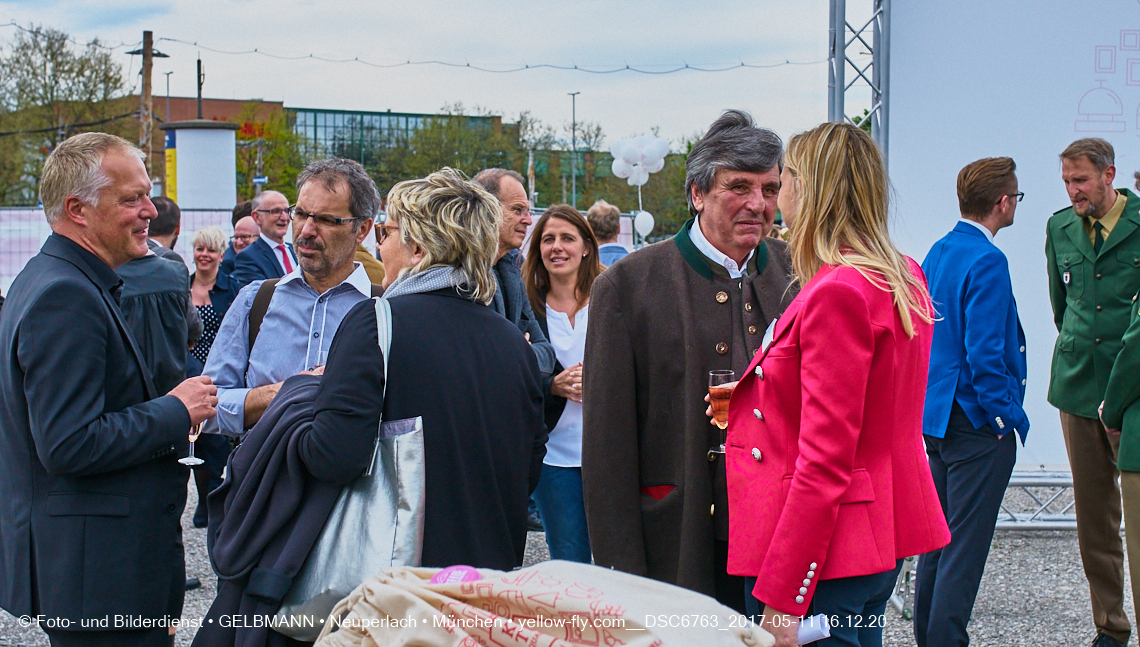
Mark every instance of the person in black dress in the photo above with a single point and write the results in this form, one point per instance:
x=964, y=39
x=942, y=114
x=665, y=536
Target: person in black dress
x=467, y=371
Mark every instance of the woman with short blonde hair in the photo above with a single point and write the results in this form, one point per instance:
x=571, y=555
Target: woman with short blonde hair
x=462, y=368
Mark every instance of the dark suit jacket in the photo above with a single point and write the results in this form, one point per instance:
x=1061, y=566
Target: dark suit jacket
x=510, y=300
x=90, y=489
x=553, y=405
x=227, y=264
x=154, y=304
x=258, y=262
x=223, y=293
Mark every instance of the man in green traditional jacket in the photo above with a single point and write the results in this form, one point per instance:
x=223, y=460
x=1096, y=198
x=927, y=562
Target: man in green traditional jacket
x=1093, y=255
x=1121, y=417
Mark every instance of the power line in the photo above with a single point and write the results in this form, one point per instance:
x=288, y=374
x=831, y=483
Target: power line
x=53, y=129
x=72, y=40
x=523, y=68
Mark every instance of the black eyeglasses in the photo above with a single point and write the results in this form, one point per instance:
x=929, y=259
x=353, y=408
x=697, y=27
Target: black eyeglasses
x=296, y=213
x=244, y=238
x=1019, y=195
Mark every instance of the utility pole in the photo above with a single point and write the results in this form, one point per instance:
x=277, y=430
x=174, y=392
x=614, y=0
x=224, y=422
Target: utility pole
x=201, y=79
x=573, y=149
x=146, y=111
x=168, y=94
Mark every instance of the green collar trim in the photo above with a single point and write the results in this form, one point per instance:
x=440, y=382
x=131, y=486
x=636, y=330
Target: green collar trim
x=705, y=267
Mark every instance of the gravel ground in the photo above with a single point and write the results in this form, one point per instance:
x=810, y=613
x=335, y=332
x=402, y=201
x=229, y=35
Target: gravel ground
x=1034, y=591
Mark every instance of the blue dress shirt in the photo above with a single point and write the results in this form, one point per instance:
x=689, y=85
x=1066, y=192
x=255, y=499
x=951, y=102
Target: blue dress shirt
x=295, y=336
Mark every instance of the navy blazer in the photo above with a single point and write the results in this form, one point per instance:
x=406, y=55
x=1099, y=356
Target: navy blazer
x=977, y=357
x=227, y=264
x=258, y=262
x=553, y=405
x=511, y=301
x=91, y=492
x=223, y=293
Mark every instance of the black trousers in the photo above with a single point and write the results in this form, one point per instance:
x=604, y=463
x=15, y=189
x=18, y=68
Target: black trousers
x=142, y=638
x=971, y=470
x=729, y=588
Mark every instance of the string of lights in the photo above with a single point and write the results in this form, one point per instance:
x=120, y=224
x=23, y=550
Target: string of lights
x=521, y=68
x=72, y=40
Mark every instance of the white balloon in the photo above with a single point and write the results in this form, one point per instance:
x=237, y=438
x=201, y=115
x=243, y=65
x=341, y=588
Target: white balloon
x=639, y=176
x=643, y=223
x=617, y=147
x=621, y=168
x=630, y=153
x=661, y=147
x=656, y=165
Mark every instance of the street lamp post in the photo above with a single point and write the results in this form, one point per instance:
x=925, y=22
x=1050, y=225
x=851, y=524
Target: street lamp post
x=168, y=94
x=573, y=149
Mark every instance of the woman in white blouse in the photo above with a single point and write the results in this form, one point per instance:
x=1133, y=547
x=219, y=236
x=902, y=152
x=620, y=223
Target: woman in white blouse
x=560, y=267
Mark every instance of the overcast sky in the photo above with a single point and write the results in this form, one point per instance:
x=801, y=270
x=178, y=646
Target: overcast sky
x=652, y=35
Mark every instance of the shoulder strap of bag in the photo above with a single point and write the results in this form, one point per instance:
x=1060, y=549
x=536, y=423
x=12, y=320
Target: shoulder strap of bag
x=384, y=337
x=259, y=308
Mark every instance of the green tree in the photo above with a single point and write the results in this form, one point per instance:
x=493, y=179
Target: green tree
x=468, y=143
x=52, y=86
x=269, y=134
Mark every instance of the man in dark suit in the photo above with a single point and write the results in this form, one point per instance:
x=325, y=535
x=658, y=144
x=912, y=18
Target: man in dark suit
x=510, y=299
x=90, y=488
x=243, y=211
x=974, y=397
x=268, y=257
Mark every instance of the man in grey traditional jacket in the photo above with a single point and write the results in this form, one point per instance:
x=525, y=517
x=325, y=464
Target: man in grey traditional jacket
x=656, y=498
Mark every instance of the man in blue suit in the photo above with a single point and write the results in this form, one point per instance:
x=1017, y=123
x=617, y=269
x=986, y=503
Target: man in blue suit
x=974, y=396
x=268, y=257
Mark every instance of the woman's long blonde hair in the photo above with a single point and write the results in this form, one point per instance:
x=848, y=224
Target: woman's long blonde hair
x=842, y=217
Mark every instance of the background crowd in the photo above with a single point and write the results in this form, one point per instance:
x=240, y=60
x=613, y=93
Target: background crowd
x=870, y=420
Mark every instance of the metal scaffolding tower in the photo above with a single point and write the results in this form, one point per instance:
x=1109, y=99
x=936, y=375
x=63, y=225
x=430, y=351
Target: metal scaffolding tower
x=875, y=36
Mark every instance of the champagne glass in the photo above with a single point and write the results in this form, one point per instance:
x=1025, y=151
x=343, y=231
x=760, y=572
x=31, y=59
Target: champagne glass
x=192, y=459
x=720, y=390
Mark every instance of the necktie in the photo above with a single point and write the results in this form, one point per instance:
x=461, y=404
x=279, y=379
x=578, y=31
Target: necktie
x=1098, y=242
x=289, y=266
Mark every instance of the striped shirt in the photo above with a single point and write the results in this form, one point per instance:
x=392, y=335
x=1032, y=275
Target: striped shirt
x=295, y=335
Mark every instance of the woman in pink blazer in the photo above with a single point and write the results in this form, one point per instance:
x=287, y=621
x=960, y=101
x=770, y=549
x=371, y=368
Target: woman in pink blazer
x=828, y=483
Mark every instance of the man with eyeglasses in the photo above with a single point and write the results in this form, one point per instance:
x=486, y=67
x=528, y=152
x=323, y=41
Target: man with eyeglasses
x=1092, y=251
x=268, y=257
x=510, y=299
x=245, y=232
x=278, y=328
x=974, y=396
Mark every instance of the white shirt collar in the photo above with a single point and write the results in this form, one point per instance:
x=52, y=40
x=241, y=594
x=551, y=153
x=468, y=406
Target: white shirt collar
x=358, y=279
x=272, y=243
x=714, y=254
x=989, y=236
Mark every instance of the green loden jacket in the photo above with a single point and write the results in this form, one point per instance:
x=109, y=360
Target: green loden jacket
x=1092, y=300
x=1121, y=408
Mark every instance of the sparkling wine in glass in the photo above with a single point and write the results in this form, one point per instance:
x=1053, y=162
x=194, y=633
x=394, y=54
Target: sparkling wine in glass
x=720, y=390
x=192, y=459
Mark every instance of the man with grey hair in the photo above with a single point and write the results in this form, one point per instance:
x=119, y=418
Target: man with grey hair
x=278, y=328
x=510, y=299
x=653, y=469
x=91, y=491
x=268, y=257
